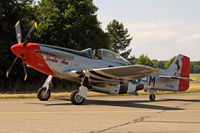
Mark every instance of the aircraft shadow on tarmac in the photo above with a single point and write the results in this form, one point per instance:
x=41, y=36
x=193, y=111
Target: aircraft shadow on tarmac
x=183, y=100
x=133, y=104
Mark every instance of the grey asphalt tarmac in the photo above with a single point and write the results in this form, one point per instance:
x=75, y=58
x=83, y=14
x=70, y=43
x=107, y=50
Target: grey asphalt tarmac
x=172, y=113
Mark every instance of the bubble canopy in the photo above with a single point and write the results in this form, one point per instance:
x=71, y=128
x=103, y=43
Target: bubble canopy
x=105, y=54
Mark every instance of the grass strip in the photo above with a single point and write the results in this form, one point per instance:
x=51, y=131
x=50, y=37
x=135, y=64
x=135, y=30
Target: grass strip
x=194, y=87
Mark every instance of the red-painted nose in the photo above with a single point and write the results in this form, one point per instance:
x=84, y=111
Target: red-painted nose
x=18, y=49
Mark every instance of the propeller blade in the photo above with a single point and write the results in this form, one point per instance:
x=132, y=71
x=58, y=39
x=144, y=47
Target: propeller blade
x=8, y=71
x=25, y=72
x=30, y=34
x=18, y=32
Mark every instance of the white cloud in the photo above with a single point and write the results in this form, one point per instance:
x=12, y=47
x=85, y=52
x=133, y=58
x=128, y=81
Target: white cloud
x=162, y=39
x=165, y=39
x=193, y=38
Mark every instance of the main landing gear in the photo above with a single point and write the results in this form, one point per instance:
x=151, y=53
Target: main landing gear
x=78, y=97
x=44, y=92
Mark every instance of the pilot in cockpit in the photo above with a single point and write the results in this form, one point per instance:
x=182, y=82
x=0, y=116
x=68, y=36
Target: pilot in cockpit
x=95, y=55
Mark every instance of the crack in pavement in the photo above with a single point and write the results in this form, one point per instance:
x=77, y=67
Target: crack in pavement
x=141, y=119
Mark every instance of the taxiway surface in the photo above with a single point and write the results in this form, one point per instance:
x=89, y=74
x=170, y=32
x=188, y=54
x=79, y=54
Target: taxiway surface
x=122, y=114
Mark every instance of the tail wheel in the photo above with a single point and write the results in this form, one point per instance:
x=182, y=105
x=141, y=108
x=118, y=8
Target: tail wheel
x=152, y=97
x=76, y=99
x=43, y=95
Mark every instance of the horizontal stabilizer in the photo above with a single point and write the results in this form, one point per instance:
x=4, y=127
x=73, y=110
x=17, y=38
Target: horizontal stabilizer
x=171, y=77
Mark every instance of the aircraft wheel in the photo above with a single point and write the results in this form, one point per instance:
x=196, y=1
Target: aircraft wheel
x=43, y=95
x=152, y=97
x=77, y=99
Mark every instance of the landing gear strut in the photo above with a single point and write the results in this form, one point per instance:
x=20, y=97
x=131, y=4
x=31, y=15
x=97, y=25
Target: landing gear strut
x=78, y=97
x=152, y=97
x=44, y=92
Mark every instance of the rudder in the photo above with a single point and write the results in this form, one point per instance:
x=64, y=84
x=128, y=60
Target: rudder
x=185, y=72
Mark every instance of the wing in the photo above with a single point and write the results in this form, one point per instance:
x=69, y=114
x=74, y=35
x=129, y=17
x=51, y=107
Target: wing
x=131, y=72
x=109, y=80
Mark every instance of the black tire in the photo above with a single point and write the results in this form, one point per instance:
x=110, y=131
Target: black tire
x=152, y=97
x=77, y=99
x=43, y=95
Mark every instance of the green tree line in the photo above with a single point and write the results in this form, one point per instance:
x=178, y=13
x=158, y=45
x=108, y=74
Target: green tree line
x=145, y=60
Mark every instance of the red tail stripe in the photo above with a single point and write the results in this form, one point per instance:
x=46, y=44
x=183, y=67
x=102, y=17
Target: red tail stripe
x=185, y=71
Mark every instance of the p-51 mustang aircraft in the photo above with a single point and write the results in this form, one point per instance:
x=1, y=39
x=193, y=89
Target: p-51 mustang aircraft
x=101, y=71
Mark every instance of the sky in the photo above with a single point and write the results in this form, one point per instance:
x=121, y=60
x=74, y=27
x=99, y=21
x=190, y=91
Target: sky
x=160, y=29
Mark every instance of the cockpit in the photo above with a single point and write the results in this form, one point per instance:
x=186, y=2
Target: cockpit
x=104, y=54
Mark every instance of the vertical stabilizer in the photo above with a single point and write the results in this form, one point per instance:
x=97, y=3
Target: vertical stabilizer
x=180, y=68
